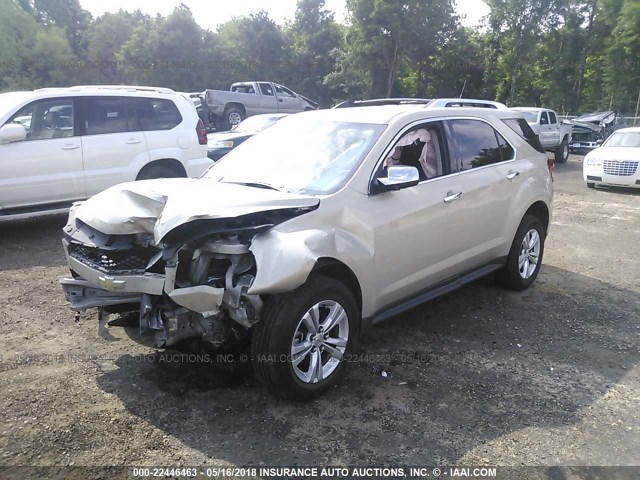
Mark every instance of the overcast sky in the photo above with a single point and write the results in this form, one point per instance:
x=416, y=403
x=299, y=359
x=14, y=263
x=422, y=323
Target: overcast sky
x=210, y=14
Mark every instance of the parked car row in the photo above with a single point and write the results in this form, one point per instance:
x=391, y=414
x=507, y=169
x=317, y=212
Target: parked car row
x=290, y=245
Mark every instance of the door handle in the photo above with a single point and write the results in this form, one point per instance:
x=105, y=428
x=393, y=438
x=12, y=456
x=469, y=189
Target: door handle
x=133, y=141
x=452, y=197
x=280, y=100
x=71, y=146
x=512, y=174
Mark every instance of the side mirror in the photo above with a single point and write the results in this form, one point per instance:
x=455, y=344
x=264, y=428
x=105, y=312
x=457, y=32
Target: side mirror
x=399, y=177
x=12, y=132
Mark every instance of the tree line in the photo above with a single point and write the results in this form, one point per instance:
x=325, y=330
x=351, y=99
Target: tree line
x=570, y=55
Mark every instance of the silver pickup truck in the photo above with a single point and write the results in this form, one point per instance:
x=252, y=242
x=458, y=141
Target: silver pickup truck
x=229, y=108
x=554, y=135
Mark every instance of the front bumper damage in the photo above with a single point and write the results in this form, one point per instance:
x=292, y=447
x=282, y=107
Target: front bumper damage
x=163, y=250
x=169, y=309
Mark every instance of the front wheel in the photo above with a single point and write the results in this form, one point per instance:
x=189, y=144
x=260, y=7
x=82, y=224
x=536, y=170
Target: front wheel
x=562, y=151
x=299, y=348
x=525, y=256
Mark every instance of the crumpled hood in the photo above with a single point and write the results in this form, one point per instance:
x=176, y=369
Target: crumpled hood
x=159, y=206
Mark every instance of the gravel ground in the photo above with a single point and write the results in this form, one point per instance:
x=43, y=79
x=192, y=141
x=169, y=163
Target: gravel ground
x=482, y=376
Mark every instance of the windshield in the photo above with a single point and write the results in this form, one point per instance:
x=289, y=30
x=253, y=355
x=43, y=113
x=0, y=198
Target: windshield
x=255, y=124
x=623, y=139
x=308, y=154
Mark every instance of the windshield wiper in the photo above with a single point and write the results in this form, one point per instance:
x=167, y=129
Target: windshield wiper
x=256, y=185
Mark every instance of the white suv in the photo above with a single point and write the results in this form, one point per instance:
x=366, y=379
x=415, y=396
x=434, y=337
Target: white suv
x=60, y=145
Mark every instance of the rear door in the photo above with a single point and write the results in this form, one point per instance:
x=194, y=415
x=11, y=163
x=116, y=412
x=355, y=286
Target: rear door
x=46, y=167
x=113, y=146
x=490, y=176
x=288, y=102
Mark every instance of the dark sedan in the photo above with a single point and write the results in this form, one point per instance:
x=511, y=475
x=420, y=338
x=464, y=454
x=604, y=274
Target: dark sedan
x=221, y=143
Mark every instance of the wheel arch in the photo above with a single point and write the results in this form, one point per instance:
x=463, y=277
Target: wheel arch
x=170, y=163
x=330, y=267
x=540, y=210
x=237, y=105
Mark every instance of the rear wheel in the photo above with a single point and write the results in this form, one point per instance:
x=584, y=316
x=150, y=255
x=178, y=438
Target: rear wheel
x=233, y=116
x=299, y=347
x=525, y=256
x=562, y=151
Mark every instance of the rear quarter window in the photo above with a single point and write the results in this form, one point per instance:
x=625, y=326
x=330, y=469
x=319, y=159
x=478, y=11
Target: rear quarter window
x=157, y=114
x=522, y=128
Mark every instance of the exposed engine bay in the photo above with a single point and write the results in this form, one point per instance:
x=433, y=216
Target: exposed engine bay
x=192, y=286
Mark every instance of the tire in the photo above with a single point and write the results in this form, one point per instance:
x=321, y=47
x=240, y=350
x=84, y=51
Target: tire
x=157, y=171
x=233, y=116
x=516, y=275
x=591, y=185
x=283, y=327
x=562, y=151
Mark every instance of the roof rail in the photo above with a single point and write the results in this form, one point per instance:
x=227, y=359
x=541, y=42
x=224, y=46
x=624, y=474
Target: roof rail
x=383, y=101
x=466, y=103
x=130, y=88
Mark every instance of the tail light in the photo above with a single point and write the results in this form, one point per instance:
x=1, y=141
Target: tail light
x=550, y=166
x=202, y=132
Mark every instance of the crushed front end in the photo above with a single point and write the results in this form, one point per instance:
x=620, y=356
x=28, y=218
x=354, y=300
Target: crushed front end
x=191, y=286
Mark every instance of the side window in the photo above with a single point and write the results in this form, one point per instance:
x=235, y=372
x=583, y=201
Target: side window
x=552, y=118
x=157, y=114
x=284, y=92
x=421, y=147
x=544, y=120
x=105, y=115
x=477, y=144
x=45, y=119
x=266, y=89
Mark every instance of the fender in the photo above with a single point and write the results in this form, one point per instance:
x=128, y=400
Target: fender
x=284, y=260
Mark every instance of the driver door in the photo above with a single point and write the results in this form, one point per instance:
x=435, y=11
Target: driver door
x=418, y=231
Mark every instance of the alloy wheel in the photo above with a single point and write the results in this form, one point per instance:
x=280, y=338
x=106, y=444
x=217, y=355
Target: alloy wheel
x=320, y=341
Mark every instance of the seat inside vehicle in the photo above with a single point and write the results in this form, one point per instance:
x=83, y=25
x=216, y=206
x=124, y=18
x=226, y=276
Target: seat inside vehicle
x=418, y=148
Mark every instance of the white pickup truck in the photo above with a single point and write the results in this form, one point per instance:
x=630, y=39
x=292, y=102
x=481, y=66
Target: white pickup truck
x=554, y=135
x=229, y=108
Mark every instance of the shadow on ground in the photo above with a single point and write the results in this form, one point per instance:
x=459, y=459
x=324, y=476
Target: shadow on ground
x=476, y=365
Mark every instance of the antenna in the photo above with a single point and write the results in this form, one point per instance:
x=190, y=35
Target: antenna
x=463, y=87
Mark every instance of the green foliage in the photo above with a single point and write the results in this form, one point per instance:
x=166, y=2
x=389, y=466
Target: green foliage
x=570, y=55
x=32, y=55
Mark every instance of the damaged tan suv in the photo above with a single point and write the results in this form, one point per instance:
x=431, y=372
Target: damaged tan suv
x=312, y=231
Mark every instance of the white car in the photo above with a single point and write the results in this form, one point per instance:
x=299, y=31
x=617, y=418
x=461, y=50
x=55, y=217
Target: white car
x=616, y=162
x=61, y=145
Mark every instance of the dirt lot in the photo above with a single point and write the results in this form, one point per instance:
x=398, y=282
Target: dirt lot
x=550, y=376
